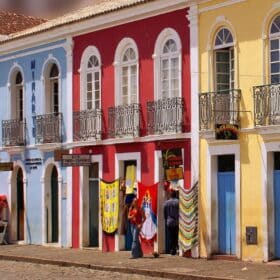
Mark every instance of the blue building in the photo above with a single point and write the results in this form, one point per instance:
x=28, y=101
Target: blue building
x=35, y=93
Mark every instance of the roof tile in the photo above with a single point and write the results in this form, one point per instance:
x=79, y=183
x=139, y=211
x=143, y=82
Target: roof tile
x=103, y=7
x=12, y=22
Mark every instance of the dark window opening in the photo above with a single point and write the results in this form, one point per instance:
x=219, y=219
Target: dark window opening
x=226, y=163
x=277, y=161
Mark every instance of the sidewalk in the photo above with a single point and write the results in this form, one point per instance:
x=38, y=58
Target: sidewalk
x=172, y=267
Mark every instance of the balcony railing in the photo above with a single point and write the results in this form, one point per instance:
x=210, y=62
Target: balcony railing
x=49, y=128
x=165, y=115
x=13, y=132
x=124, y=121
x=87, y=125
x=222, y=107
x=267, y=105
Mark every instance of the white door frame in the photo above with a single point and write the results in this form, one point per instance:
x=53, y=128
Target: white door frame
x=84, y=207
x=268, y=230
x=46, y=184
x=119, y=159
x=12, y=197
x=212, y=196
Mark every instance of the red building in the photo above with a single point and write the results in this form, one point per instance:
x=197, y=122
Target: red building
x=131, y=100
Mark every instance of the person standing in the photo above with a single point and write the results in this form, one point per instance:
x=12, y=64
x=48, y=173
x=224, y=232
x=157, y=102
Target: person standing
x=136, y=218
x=171, y=216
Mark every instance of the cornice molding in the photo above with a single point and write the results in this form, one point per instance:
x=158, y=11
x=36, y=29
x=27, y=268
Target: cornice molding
x=94, y=24
x=220, y=5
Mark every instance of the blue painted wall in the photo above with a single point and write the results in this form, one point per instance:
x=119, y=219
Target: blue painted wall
x=31, y=61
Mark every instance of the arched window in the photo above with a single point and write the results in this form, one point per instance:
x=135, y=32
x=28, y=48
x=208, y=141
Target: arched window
x=92, y=96
x=54, y=88
x=275, y=51
x=126, y=72
x=169, y=70
x=224, y=60
x=128, y=77
x=90, y=79
x=18, y=95
x=168, y=65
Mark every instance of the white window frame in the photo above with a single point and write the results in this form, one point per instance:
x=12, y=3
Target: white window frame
x=129, y=65
x=13, y=88
x=225, y=47
x=164, y=36
x=18, y=97
x=52, y=81
x=273, y=36
x=84, y=70
x=125, y=44
x=46, y=81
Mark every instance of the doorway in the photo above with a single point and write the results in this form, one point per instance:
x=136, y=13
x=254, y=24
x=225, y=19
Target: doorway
x=93, y=200
x=20, y=205
x=226, y=205
x=129, y=178
x=52, y=208
x=276, y=195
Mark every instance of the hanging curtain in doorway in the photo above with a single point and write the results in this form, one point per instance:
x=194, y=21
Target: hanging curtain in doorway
x=109, y=201
x=130, y=179
x=188, y=217
x=148, y=199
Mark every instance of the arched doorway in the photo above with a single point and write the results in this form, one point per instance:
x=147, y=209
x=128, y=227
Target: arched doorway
x=20, y=205
x=52, y=208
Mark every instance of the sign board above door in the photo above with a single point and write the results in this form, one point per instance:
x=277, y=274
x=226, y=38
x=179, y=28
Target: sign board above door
x=6, y=166
x=75, y=160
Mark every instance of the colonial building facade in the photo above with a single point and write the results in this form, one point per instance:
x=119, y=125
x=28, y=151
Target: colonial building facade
x=34, y=102
x=131, y=100
x=118, y=82
x=239, y=129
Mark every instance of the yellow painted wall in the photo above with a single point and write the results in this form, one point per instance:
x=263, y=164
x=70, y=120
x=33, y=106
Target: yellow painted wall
x=246, y=20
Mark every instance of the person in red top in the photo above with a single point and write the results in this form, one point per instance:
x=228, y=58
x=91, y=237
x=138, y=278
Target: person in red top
x=136, y=217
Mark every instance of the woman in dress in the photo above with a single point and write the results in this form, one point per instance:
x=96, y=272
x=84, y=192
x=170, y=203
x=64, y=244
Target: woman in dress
x=136, y=217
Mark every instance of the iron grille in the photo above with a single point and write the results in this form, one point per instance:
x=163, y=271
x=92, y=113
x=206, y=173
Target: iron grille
x=267, y=105
x=222, y=107
x=13, y=132
x=165, y=115
x=48, y=128
x=124, y=120
x=87, y=125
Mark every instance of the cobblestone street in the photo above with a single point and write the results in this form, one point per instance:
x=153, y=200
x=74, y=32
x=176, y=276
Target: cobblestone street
x=11, y=270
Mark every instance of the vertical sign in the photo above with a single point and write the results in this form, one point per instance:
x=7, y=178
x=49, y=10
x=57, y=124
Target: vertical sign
x=33, y=99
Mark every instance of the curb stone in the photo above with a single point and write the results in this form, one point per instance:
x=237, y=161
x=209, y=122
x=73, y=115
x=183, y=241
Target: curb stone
x=153, y=273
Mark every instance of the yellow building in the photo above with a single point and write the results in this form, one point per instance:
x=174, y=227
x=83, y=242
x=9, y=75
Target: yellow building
x=239, y=54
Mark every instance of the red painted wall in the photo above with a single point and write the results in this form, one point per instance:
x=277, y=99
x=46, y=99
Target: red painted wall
x=144, y=33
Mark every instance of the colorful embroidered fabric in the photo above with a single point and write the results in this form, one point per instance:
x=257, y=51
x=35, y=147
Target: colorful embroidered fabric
x=188, y=218
x=109, y=203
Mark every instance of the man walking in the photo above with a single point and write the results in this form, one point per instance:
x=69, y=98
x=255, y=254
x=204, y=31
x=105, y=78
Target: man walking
x=171, y=216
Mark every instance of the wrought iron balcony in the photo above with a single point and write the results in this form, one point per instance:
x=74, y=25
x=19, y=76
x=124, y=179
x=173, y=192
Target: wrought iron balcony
x=267, y=105
x=87, y=125
x=13, y=132
x=221, y=107
x=165, y=115
x=49, y=128
x=124, y=121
